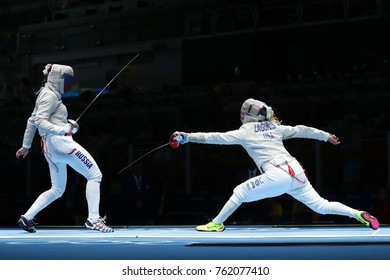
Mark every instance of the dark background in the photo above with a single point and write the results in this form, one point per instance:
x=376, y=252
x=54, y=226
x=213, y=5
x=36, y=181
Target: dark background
x=318, y=63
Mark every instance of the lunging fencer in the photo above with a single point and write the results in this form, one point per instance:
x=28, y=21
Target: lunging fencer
x=262, y=135
x=50, y=118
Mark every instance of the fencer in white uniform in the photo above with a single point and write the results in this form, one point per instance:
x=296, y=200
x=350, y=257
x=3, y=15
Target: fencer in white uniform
x=262, y=137
x=50, y=117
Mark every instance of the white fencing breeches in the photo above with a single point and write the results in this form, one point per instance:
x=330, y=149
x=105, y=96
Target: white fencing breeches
x=59, y=152
x=277, y=181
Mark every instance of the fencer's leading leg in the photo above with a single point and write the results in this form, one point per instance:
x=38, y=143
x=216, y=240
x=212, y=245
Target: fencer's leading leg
x=227, y=210
x=217, y=223
x=82, y=162
x=256, y=188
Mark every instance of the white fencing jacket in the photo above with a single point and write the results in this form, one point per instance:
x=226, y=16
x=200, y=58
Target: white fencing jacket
x=49, y=116
x=262, y=140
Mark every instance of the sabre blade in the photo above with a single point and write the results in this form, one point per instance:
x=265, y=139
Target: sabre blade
x=130, y=164
x=124, y=67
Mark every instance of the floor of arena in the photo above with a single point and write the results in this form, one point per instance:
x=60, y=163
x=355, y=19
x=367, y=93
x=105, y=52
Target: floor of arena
x=185, y=243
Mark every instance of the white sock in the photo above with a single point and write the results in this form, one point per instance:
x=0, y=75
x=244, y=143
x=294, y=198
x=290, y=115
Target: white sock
x=226, y=211
x=92, y=192
x=40, y=203
x=338, y=208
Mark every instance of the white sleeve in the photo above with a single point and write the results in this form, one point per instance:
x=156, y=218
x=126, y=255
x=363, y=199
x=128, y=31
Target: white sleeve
x=234, y=137
x=29, y=133
x=301, y=131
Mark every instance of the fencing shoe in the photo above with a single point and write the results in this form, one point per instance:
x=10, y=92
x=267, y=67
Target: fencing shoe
x=98, y=224
x=211, y=226
x=366, y=219
x=27, y=225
